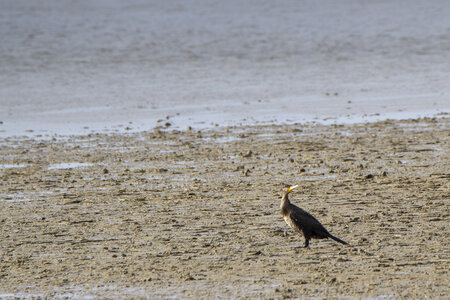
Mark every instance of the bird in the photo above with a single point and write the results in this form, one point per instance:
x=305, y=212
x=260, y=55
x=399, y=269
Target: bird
x=302, y=221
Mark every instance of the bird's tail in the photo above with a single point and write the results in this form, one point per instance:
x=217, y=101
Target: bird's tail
x=338, y=240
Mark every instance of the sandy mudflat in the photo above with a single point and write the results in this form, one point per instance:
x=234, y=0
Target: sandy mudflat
x=174, y=214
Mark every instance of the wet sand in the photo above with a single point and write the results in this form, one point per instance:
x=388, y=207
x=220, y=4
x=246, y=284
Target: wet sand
x=195, y=214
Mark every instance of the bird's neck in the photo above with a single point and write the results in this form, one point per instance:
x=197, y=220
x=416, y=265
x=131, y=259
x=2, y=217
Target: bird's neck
x=285, y=201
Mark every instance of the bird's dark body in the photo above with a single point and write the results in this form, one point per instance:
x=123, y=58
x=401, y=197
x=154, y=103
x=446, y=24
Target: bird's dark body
x=303, y=222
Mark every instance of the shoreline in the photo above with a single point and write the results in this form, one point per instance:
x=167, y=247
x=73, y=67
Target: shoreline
x=203, y=121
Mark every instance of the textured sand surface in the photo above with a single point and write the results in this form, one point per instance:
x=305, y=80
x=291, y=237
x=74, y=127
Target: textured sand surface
x=188, y=214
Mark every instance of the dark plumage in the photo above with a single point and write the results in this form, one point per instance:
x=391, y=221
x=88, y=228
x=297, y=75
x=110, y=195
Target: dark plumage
x=302, y=221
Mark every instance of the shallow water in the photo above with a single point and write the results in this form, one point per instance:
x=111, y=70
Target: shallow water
x=77, y=67
x=11, y=166
x=69, y=165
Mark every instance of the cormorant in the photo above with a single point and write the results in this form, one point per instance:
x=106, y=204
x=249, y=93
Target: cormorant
x=302, y=221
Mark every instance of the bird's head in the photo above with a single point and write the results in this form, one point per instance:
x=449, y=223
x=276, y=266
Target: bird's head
x=288, y=188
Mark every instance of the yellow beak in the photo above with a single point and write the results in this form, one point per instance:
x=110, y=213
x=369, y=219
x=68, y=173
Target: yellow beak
x=292, y=187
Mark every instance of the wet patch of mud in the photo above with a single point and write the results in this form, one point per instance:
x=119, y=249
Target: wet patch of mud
x=196, y=213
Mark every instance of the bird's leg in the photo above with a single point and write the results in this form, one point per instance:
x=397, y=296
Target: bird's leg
x=307, y=239
x=285, y=230
x=307, y=242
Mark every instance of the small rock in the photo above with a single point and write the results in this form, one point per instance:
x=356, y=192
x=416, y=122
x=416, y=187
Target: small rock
x=189, y=277
x=238, y=168
x=248, y=154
